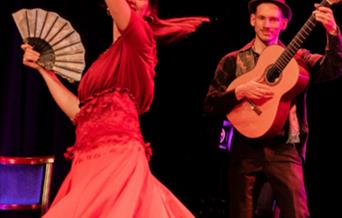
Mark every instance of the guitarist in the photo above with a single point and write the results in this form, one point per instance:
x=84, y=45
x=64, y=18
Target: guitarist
x=278, y=158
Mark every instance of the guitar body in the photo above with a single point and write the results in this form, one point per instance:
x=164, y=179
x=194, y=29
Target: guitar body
x=267, y=118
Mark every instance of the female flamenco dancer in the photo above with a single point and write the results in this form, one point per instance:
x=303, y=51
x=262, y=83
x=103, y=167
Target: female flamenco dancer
x=110, y=175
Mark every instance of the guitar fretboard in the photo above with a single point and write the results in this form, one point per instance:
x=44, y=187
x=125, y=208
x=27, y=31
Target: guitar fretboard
x=298, y=40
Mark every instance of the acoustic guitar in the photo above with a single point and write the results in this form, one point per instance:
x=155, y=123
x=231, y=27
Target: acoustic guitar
x=277, y=68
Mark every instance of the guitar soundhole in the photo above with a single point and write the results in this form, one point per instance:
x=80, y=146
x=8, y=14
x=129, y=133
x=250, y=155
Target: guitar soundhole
x=272, y=75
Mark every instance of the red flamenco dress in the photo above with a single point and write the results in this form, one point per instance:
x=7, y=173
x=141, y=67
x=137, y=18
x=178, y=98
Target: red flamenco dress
x=110, y=176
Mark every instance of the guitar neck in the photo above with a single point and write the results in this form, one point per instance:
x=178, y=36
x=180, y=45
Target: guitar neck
x=298, y=40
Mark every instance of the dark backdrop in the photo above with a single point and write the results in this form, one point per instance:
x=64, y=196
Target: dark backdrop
x=186, y=158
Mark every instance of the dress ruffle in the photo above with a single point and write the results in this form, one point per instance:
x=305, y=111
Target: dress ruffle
x=114, y=181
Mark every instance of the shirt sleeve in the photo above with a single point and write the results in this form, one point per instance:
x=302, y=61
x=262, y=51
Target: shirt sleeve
x=218, y=100
x=324, y=67
x=138, y=33
x=138, y=61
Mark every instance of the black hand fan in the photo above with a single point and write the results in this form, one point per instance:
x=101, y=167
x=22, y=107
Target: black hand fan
x=60, y=46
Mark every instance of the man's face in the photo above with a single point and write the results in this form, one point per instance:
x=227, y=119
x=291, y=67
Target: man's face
x=268, y=21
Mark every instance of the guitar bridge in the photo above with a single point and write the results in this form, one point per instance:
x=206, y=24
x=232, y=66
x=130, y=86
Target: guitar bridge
x=254, y=107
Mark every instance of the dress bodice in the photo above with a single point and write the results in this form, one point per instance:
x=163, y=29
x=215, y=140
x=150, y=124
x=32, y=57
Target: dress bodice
x=111, y=118
x=127, y=64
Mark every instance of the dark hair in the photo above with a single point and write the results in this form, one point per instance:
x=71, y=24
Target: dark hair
x=154, y=4
x=149, y=18
x=153, y=14
x=168, y=30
